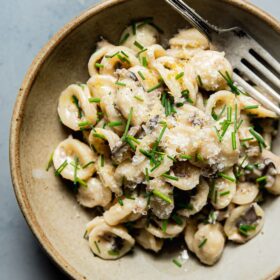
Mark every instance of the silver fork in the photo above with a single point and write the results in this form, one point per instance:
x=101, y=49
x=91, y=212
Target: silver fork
x=248, y=58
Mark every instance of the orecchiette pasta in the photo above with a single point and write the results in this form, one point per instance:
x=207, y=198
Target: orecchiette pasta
x=166, y=144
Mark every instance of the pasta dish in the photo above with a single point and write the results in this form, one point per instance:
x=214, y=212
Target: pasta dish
x=166, y=144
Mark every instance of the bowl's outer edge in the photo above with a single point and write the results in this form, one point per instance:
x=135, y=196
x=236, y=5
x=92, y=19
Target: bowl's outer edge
x=19, y=111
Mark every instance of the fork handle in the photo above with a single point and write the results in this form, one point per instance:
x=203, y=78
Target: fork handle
x=193, y=18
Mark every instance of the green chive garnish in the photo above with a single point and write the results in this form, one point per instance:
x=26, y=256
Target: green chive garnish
x=124, y=38
x=102, y=160
x=99, y=135
x=127, y=124
x=164, y=225
x=177, y=219
x=60, y=168
x=76, y=102
x=116, y=123
x=224, y=193
x=141, y=75
x=138, y=98
x=223, y=175
x=113, y=55
x=87, y=164
x=138, y=45
x=186, y=157
x=202, y=243
x=144, y=61
x=98, y=65
x=165, y=175
x=120, y=201
x=199, y=81
x=176, y=262
x=261, y=179
x=76, y=160
x=251, y=107
x=113, y=252
x=94, y=100
x=233, y=140
x=147, y=177
x=258, y=137
x=179, y=76
x=120, y=84
x=50, y=162
x=234, y=89
x=155, y=87
x=97, y=247
x=162, y=196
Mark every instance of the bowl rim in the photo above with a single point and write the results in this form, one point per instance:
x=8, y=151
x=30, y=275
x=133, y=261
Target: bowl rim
x=18, y=112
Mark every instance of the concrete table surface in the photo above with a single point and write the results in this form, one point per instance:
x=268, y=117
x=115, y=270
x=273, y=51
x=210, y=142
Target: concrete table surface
x=25, y=26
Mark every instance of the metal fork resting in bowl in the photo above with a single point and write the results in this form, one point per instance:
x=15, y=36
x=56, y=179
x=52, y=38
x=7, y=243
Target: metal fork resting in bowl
x=248, y=58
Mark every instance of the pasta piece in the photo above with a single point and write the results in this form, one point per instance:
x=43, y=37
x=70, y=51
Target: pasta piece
x=209, y=242
x=100, y=138
x=209, y=65
x=71, y=152
x=94, y=195
x=148, y=241
x=223, y=190
x=144, y=35
x=198, y=201
x=109, y=242
x=106, y=170
x=98, y=220
x=187, y=42
x=244, y=223
x=186, y=176
x=126, y=210
x=172, y=230
x=246, y=193
x=74, y=108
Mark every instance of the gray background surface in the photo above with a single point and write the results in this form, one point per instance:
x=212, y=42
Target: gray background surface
x=25, y=26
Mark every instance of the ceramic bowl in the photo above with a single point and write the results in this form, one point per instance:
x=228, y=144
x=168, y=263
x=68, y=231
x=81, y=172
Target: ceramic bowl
x=51, y=209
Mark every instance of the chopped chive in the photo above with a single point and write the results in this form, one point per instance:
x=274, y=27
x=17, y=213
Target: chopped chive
x=81, y=85
x=199, y=81
x=99, y=135
x=258, y=137
x=202, y=243
x=50, y=162
x=251, y=107
x=138, y=98
x=125, y=54
x=165, y=175
x=145, y=153
x=113, y=252
x=102, y=160
x=113, y=55
x=224, y=193
x=229, y=113
x=147, y=177
x=235, y=117
x=243, y=229
x=221, y=113
x=87, y=164
x=61, y=167
x=217, y=132
x=98, y=65
x=144, y=61
x=172, y=158
x=179, y=76
x=186, y=157
x=155, y=167
x=233, y=140
x=223, y=175
x=247, y=139
x=164, y=225
x=129, y=142
x=127, y=124
x=94, y=100
x=177, y=219
x=162, y=196
x=120, y=201
x=155, y=87
x=234, y=89
x=176, y=262
x=141, y=52
x=138, y=45
x=141, y=75
x=124, y=38
x=199, y=157
x=130, y=137
x=76, y=160
x=239, y=124
x=122, y=58
x=84, y=124
x=97, y=247
x=120, y=84
x=133, y=26
x=261, y=179
x=214, y=115
x=81, y=182
x=76, y=102
x=116, y=123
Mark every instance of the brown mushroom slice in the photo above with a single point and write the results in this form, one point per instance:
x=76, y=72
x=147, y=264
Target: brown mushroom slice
x=244, y=223
x=208, y=243
x=273, y=172
x=173, y=228
x=190, y=230
x=126, y=210
x=109, y=242
x=187, y=176
x=148, y=241
x=246, y=192
x=198, y=201
x=94, y=195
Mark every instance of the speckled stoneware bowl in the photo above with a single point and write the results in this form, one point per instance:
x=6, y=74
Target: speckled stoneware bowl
x=52, y=211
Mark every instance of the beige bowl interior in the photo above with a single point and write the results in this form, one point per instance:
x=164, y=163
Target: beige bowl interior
x=48, y=205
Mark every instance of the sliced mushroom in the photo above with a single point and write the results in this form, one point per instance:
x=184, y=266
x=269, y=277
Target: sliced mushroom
x=109, y=242
x=187, y=176
x=71, y=152
x=106, y=170
x=148, y=241
x=94, y=195
x=173, y=228
x=246, y=193
x=244, y=223
x=208, y=243
x=126, y=210
x=74, y=107
x=161, y=202
x=191, y=228
x=198, y=201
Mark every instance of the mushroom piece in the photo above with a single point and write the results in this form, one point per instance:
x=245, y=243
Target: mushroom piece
x=109, y=242
x=198, y=201
x=148, y=241
x=70, y=156
x=127, y=210
x=208, y=243
x=244, y=223
x=173, y=227
x=246, y=193
x=95, y=194
x=187, y=176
